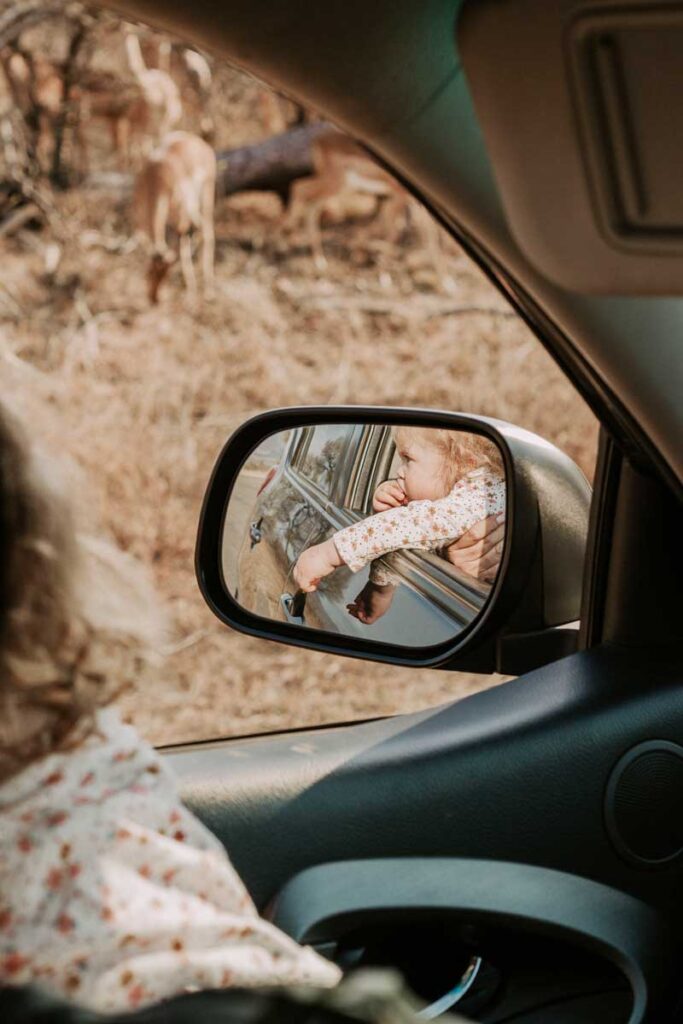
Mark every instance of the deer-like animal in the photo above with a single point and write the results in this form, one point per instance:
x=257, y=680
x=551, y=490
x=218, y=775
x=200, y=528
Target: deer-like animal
x=196, y=91
x=198, y=69
x=192, y=74
x=278, y=113
x=175, y=192
x=156, y=51
x=159, y=91
x=37, y=87
x=35, y=80
x=341, y=165
x=121, y=106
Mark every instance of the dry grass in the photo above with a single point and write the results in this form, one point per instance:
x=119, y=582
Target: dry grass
x=142, y=399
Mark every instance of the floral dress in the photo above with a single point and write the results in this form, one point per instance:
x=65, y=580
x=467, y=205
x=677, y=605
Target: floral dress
x=114, y=894
x=422, y=525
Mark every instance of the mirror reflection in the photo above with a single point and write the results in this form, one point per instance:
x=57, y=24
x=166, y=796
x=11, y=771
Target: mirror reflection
x=391, y=533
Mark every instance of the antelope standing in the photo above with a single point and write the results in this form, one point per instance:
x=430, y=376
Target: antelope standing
x=159, y=91
x=175, y=191
x=120, y=106
x=37, y=87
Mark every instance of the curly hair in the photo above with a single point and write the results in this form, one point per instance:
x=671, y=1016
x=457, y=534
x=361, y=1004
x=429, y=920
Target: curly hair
x=78, y=621
x=462, y=451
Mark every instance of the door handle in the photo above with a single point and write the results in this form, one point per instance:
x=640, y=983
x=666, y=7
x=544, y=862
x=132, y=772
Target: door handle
x=255, y=533
x=294, y=605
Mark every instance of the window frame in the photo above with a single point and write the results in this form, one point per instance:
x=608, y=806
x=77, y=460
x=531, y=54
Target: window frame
x=300, y=451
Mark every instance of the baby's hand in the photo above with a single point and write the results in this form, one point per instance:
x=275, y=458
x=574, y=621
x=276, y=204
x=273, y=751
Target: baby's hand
x=389, y=494
x=314, y=563
x=372, y=602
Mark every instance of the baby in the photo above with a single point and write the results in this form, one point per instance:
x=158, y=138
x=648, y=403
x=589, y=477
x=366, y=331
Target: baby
x=111, y=892
x=446, y=483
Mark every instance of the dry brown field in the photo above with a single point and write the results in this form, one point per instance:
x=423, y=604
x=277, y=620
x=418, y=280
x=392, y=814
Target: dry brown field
x=139, y=401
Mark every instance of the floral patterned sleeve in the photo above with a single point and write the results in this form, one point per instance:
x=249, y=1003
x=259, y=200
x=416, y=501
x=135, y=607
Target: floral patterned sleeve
x=422, y=525
x=114, y=894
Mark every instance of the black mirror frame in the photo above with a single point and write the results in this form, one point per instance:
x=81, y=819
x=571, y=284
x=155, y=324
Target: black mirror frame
x=516, y=595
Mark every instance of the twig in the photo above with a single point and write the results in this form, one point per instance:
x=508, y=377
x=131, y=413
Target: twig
x=21, y=364
x=17, y=218
x=116, y=244
x=505, y=314
x=182, y=645
x=10, y=301
x=116, y=181
x=413, y=309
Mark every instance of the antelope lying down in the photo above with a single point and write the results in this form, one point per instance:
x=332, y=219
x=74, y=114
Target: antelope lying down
x=174, y=192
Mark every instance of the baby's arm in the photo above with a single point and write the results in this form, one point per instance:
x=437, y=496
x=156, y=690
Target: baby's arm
x=372, y=603
x=381, y=573
x=320, y=560
x=422, y=525
x=314, y=564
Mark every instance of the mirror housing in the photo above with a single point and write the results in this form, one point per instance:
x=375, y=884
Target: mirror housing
x=531, y=616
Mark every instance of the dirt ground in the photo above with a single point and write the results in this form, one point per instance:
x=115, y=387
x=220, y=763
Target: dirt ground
x=139, y=401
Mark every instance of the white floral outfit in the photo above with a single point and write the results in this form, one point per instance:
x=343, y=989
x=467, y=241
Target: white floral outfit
x=421, y=525
x=114, y=894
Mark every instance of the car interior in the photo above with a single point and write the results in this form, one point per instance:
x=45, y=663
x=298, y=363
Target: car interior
x=518, y=854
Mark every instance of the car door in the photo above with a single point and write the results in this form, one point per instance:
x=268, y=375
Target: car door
x=289, y=514
x=270, y=517
x=489, y=826
x=318, y=462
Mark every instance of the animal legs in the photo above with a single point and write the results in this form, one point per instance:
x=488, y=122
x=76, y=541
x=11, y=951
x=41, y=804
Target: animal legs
x=186, y=264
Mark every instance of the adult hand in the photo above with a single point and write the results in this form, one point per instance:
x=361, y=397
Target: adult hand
x=478, y=552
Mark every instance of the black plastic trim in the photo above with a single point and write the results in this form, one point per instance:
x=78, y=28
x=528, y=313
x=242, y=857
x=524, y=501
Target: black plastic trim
x=322, y=903
x=599, y=546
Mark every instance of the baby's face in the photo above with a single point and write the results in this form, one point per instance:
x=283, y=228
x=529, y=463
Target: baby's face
x=421, y=471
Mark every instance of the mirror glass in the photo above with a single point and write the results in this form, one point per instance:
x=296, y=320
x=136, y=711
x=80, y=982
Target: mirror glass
x=390, y=533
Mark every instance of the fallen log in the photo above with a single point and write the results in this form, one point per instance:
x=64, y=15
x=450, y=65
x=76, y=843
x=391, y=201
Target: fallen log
x=270, y=166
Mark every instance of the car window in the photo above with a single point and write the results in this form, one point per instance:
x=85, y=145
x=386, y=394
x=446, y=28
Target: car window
x=321, y=455
x=367, y=303
x=367, y=466
x=394, y=464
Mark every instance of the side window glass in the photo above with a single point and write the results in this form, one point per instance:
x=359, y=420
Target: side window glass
x=321, y=460
x=350, y=294
x=394, y=464
x=299, y=447
x=367, y=468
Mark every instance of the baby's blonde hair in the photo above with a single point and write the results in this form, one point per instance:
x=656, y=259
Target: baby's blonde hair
x=461, y=451
x=77, y=618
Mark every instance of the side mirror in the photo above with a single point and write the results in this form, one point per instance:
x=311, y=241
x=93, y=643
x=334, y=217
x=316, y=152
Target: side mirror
x=342, y=529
